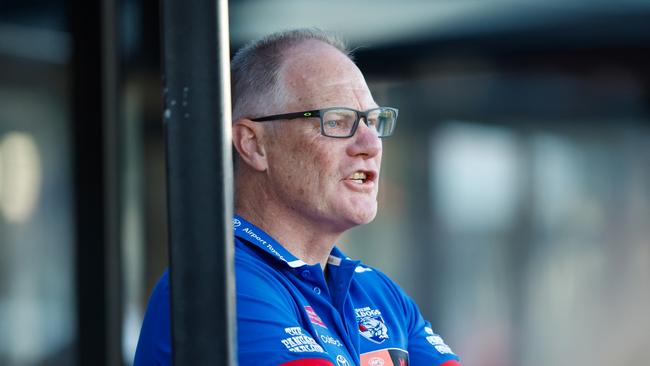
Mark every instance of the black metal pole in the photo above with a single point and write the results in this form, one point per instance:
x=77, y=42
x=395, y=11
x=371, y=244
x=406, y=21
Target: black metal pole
x=199, y=180
x=96, y=80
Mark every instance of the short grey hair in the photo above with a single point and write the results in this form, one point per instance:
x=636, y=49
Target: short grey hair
x=255, y=69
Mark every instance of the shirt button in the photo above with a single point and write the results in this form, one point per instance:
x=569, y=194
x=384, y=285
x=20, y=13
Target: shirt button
x=305, y=274
x=317, y=290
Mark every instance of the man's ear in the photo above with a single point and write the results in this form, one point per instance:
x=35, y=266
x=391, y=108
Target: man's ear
x=246, y=137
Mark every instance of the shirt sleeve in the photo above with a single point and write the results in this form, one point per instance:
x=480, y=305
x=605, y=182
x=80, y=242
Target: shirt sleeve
x=425, y=347
x=154, y=344
x=428, y=348
x=269, y=331
x=268, y=327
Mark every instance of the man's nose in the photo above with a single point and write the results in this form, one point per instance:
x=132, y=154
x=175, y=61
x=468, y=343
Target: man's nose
x=366, y=141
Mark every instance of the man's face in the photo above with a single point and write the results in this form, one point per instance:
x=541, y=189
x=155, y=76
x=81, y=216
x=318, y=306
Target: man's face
x=330, y=181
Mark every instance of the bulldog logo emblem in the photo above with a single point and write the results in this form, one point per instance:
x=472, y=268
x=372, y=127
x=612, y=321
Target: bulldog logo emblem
x=371, y=325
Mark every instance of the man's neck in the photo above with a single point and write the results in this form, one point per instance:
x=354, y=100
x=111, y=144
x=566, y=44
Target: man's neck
x=306, y=240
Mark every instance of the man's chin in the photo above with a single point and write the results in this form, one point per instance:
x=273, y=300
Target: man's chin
x=362, y=217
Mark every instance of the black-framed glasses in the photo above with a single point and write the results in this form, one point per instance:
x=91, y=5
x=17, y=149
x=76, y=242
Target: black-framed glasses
x=341, y=122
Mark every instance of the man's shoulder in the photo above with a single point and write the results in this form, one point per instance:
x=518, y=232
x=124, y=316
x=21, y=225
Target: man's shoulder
x=257, y=274
x=253, y=262
x=372, y=275
x=161, y=290
x=378, y=285
x=154, y=344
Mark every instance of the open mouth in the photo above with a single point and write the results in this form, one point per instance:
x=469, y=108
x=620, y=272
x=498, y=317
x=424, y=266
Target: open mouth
x=361, y=177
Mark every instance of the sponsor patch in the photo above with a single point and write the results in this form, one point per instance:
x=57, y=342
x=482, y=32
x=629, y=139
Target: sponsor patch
x=437, y=342
x=327, y=339
x=313, y=317
x=371, y=324
x=294, y=331
x=342, y=361
x=299, y=342
x=385, y=357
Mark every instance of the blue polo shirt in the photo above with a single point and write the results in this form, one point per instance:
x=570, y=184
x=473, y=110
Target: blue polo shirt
x=293, y=313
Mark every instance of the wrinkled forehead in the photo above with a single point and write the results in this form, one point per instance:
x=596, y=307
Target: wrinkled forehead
x=316, y=75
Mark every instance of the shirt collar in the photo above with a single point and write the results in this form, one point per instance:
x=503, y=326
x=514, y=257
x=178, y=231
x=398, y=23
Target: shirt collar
x=254, y=235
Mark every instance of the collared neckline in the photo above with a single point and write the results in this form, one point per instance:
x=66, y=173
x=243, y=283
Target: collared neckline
x=256, y=236
x=252, y=234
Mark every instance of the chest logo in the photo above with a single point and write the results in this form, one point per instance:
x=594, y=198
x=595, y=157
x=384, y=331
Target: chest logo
x=371, y=324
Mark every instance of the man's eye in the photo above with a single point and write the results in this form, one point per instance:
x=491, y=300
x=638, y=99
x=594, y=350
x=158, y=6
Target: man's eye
x=332, y=123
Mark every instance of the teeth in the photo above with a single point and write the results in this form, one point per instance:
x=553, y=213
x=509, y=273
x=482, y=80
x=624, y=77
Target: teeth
x=359, y=175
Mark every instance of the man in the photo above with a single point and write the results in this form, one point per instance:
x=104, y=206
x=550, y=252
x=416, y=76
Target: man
x=307, y=134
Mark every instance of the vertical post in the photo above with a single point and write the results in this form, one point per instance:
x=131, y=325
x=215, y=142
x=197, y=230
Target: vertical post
x=96, y=168
x=111, y=83
x=199, y=178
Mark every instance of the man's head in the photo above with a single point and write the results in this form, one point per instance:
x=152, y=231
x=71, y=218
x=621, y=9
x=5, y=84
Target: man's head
x=255, y=70
x=288, y=165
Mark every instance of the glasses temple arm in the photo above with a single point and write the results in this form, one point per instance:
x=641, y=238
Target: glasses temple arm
x=275, y=117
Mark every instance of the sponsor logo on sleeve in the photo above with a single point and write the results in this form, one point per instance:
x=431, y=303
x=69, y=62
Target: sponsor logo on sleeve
x=236, y=223
x=299, y=342
x=342, y=361
x=371, y=324
x=437, y=342
x=313, y=317
x=328, y=339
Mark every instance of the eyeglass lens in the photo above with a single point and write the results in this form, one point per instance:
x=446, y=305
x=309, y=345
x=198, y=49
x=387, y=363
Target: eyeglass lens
x=340, y=122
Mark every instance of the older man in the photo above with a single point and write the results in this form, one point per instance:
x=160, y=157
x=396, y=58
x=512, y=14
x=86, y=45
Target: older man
x=307, y=133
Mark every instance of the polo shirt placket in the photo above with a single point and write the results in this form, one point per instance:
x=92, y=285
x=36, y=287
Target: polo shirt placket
x=327, y=313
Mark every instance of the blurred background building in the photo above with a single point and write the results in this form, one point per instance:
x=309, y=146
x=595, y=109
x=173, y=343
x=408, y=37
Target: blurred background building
x=515, y=194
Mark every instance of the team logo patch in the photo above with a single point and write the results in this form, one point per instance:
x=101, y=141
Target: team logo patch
x=313, y=317
x=236, y=223
x=371, y=324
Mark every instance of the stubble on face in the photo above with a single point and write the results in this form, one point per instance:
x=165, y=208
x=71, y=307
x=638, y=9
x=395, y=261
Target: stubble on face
x=306, y=169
